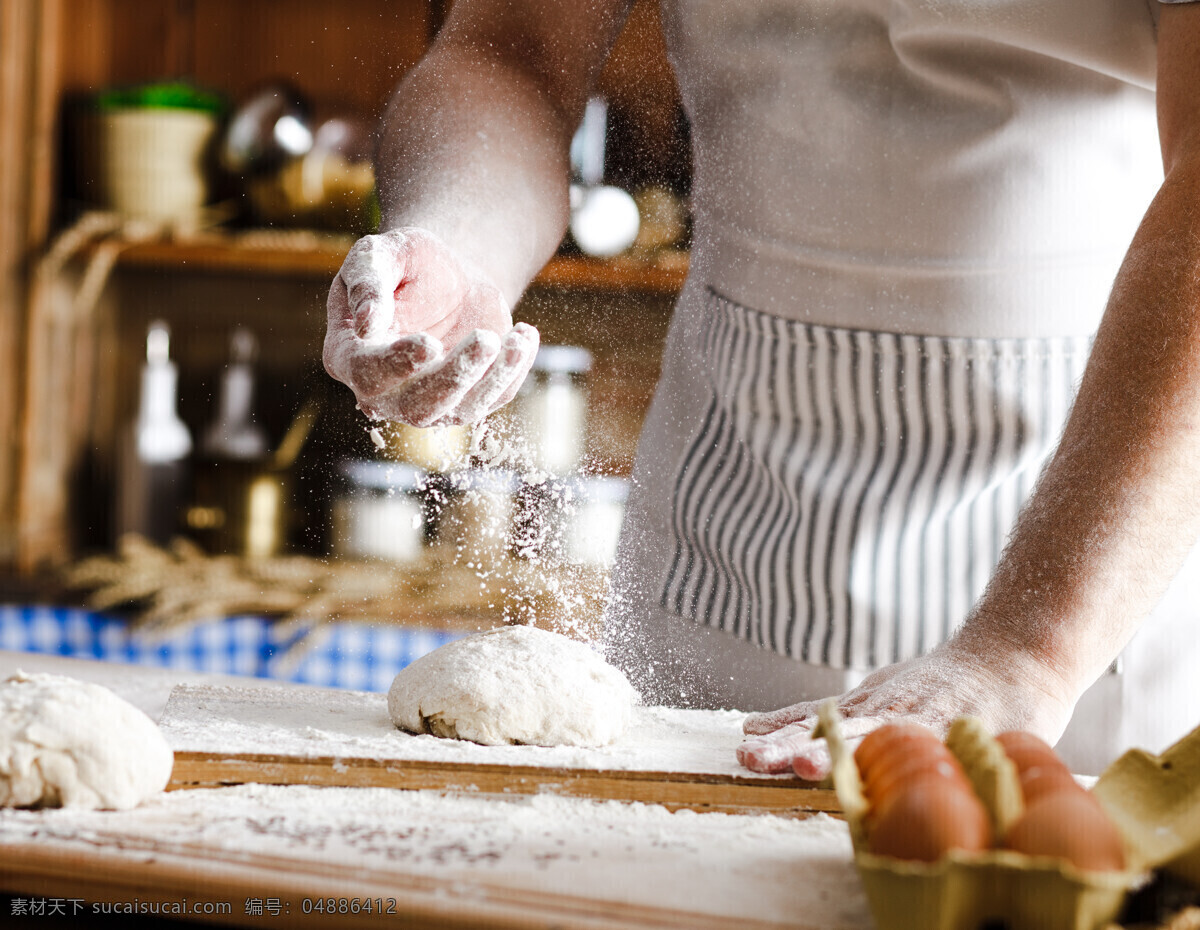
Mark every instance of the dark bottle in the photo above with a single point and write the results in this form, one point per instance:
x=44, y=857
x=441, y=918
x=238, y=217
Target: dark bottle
x=152, y=470
x=241, y=496
x=234, y=434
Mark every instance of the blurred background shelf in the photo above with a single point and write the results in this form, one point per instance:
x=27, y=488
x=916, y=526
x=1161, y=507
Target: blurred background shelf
x=663, y=275
x=72, y=336
x=291, y=254
x=317, y=255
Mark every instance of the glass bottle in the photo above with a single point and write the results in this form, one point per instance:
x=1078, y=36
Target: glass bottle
x=235, y=434
x=152, y=471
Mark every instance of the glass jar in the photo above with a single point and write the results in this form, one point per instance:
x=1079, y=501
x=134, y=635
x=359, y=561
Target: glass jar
x=477, y=515
x=594, y=523
x=573, y=520
x=379, y=513
x=550, y=411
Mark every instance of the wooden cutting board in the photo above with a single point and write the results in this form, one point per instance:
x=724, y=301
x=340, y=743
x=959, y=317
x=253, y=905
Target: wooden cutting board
x=285, y=736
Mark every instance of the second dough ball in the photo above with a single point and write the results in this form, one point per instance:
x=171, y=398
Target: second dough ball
x=514, y=684
x=71, y=743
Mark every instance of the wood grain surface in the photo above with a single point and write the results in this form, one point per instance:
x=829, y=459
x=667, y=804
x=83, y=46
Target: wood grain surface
x=680, y=759
x=512, y=836
x=675, y=791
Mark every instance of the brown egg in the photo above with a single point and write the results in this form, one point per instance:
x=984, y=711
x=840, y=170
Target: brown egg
x=1027, y=750
x=1069, y=825
x=1040, y=769
x=940, y=777
x=883, y=741
x=899, y=752
x=927, y=820
x=932, y=760
x=1038, y=780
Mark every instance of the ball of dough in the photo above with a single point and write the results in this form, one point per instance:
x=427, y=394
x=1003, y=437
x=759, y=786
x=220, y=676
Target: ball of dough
x=71, y=743
x=514, y=684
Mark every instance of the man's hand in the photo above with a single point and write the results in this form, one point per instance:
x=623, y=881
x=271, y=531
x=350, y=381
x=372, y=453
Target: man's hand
x=933, y=690
x=418, y=336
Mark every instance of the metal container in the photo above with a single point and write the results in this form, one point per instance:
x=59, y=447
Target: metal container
x=432, y=448
x=240, y=508
x=477, y=515
x=551, y=409
x=380, y=512
x=573, y=520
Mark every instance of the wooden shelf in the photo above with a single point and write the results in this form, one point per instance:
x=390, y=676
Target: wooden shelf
x=284, y=254
x=301, y=254
x=663, y=275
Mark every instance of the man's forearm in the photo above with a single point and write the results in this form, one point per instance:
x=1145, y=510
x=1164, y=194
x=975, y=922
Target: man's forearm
x=474, y=152
x=1118, y=507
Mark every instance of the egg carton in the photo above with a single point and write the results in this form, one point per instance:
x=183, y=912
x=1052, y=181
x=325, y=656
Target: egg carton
x=1154, y=801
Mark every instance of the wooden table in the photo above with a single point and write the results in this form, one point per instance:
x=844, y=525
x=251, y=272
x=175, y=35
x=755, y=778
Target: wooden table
x=496, y=854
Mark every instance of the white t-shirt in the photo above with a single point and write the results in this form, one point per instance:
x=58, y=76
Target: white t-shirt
x=934, y=167
x=908, y=216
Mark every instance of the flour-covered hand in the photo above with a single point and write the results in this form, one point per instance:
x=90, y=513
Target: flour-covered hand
x=421, y=337
x=933, y=690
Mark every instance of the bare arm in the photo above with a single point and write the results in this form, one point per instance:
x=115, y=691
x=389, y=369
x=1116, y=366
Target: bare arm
x=472, y=170
x=1115, y=512
x=475, y=142
x=1118, y=507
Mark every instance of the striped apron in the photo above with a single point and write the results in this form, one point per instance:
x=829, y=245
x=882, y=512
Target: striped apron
x=810, y=503
x=846, y=493
x=815, y=494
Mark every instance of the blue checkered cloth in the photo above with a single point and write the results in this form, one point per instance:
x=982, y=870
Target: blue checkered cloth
x=340, y=655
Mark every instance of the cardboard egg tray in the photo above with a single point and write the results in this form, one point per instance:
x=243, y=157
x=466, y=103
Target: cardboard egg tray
x=1154, y=801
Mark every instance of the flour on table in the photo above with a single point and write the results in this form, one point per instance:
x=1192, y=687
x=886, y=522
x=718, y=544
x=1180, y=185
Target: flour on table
x=310, y=723
x=561, y=859
x=71, y=743
x=514, y=684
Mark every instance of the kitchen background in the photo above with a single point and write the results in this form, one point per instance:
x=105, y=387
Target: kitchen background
x=110, y=231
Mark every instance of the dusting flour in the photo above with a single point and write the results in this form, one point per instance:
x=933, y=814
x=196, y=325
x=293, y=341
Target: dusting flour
x=515, y=684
